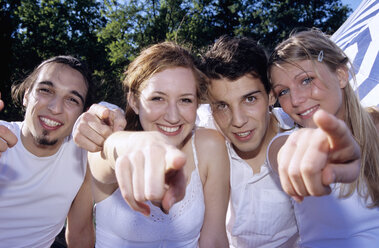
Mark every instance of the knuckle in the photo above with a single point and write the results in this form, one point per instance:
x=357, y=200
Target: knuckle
x=3, y=130
x=85, y=118
x=105, y=132
x=128, y=197
x=139, y=197
x=293, y=171
x=153, y=194
x=307, y=168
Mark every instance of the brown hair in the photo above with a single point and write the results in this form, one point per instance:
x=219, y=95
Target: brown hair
x=19, y=90
x=154, y=59
x=310, y=45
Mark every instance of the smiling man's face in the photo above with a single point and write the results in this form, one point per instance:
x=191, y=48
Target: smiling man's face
x=52, y=106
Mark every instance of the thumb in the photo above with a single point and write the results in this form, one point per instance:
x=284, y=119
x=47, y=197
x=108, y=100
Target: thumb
x=107, y=117
x=342, y=173
x=119, y=121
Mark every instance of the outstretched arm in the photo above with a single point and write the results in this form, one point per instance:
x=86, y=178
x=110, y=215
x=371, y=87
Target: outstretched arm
x=311, y=159
x=145, y=166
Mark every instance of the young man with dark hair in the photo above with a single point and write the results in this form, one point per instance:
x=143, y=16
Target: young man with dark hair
x=43, y=174
x=260, y=213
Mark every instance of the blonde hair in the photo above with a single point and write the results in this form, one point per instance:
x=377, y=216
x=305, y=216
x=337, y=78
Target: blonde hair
x=152, y=60
x=316, y=46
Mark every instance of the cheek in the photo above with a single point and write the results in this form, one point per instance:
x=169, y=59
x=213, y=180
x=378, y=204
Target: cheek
x=189, y=113
x=286, y=105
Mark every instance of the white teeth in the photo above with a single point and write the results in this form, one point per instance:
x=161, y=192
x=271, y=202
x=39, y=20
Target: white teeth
x=244, y=134
x=169, y=129
x=50, y=123
x=308, y=111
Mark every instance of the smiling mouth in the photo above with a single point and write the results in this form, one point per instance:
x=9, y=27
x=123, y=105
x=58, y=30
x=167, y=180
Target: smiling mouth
x=244, y=134
x=169, y=129
x=50, y=123
x=307, y=112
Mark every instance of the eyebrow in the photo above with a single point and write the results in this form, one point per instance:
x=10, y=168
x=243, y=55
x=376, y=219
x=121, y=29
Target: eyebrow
x=244, y=96
x=274, y=84
x=163, y=93
x=251, y=93
x=302, y=72
x=74, y=92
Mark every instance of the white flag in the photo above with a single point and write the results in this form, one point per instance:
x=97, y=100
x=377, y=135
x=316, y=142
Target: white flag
x=359, y=38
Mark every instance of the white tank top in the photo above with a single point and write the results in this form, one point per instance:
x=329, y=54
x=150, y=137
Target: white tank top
x=36, y=192
x=117, y=225
x=329, y=221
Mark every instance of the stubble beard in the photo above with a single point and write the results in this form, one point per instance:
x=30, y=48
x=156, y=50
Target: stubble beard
x=44, y=141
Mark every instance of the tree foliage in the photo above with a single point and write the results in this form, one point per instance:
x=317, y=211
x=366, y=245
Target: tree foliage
x=111, y=33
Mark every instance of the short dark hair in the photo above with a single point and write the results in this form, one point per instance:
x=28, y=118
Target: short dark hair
x=233, y=57
x=19, y=90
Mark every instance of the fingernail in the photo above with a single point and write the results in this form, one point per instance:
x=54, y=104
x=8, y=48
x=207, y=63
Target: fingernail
x=298, y=199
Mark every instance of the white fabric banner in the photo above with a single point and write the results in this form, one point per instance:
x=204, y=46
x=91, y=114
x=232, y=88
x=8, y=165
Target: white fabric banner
x=359, y=38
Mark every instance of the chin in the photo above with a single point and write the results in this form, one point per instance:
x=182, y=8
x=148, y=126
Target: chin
x=45, y=142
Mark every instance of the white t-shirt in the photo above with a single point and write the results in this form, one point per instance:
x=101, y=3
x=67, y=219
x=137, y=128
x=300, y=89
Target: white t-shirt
x=260, y=214
x=36, y=192
x=329, y=221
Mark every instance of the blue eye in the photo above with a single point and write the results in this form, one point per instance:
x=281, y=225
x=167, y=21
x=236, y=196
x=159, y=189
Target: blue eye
x=307, y=81
x=283, y=92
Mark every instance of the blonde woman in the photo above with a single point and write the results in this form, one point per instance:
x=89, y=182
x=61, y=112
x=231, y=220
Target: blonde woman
x=309, y=75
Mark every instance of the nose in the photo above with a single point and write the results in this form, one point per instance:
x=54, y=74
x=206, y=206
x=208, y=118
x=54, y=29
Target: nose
x=298, y=95
x=56, y=105
x=238, y=117
x=172, y=113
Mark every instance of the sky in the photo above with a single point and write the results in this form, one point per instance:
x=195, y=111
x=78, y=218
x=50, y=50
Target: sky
x=352, y=3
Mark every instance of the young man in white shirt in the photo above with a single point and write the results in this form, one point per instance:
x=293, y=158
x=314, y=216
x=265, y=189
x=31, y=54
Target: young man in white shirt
x=260, y=213
x=43, y=174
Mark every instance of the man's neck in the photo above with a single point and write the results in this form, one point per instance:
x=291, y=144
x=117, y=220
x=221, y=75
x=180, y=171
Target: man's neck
x=36, y=149
x=257, y=157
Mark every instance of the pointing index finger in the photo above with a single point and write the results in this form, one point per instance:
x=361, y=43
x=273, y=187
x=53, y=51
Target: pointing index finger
x=336, y=130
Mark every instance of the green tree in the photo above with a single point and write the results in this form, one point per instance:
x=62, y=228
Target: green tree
x=46, y=28
x=197, y=23
x=109, y=34
x=271, y=21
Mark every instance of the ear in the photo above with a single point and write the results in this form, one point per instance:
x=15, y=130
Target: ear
x=343, y=76
x=271, y=98
x=25, y=98
x=133, y=102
